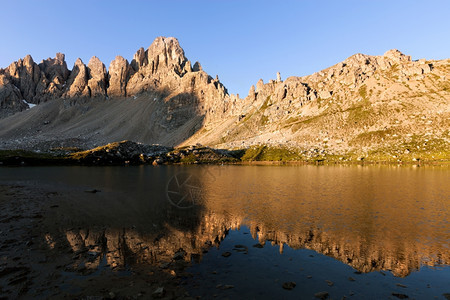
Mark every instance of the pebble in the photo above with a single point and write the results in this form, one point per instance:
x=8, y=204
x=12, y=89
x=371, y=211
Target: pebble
x=289, y=285
x=329, y=282
x=240, y=248
x=224, y=286
x=159, y=292
x=92, y=191
x=400, y=296
x=321, y=295
x=401, y=285
x=226, y=254
x=351, y=279
x=227, y=286
x=258, y=245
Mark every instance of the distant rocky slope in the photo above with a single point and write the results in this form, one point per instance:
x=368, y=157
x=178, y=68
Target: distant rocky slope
x=386, y=106
x=380, y=106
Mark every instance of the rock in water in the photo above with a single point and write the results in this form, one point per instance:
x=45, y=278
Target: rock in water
x=289, y=285
x=226, y=254
x=321, y=295
x=400, y=296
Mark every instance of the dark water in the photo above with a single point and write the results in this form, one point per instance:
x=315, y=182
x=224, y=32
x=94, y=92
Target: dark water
x=361, y=232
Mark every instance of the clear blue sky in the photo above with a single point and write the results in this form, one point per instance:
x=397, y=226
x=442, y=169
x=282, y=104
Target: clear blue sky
x=241, y=41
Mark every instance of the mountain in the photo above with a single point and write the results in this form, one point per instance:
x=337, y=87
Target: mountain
x=385, y=106
x=363, y=104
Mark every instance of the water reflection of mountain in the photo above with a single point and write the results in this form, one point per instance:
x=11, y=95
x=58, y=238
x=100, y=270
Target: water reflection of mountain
x=130, y=246
x=362, y=225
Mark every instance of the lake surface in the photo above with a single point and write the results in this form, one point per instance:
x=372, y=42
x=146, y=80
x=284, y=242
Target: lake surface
x=355, y=231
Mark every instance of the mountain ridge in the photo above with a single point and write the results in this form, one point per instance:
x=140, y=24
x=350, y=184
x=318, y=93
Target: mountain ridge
x=361, y=105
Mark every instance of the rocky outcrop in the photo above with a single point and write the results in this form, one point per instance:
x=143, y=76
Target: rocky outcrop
x=25, y=74
x=98, y=78
x=11, y=97
x=77, y=84
x=54, y=74
x=119, y=71
x=125, y=152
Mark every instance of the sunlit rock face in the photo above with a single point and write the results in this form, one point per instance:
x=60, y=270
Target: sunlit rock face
x=162, y=68
x=77, y=82
x=119, y=70
x=98, y=78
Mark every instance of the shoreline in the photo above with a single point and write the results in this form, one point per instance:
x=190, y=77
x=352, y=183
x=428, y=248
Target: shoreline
x=38, y=262
x=26, y=161
x=130, y=153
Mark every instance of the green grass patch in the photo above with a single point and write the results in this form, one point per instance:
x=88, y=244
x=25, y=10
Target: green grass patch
x=189, y=159
x=267, y=153
x=419, y=148
x=24, y=157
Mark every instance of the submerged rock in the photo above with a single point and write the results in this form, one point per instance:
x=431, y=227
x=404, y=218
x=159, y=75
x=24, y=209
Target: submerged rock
x=321, y=295
x=289, y=285
x=226, y=254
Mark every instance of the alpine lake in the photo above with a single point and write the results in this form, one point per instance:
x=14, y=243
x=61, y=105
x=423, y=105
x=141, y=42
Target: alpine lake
x=226, y=232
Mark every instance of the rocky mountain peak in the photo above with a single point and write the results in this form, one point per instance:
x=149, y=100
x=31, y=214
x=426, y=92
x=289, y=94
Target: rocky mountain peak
x=396, y=55
x=160, y=66
x=77, y=82
x=98, y=77
x=55, y=67
x=167, y=51
x=119, y=70
x=28, y=61
x=140, y=59
x=197, y=67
